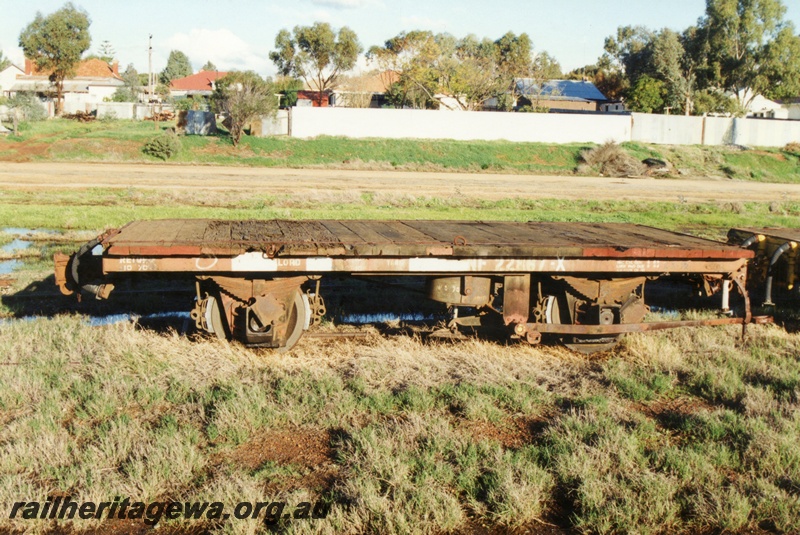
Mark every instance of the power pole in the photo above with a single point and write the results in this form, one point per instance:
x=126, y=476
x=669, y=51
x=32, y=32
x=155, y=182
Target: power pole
x=150, y=77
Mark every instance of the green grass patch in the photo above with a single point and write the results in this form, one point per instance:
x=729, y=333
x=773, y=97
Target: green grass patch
x=103, y=141
x=97, y=209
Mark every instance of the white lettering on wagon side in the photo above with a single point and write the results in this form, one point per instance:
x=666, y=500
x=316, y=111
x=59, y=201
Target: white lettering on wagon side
x=255, y=261
x=637, y=266
x=130, y=264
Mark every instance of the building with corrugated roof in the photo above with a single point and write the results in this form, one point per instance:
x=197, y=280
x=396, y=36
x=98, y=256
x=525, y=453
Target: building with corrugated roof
x=555, y=95
x=94, y=81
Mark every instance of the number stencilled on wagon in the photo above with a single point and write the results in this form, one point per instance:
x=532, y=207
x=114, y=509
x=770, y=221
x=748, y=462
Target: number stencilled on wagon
x=130, y=264
x=637, y=266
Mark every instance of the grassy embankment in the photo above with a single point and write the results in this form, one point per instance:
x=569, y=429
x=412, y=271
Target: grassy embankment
x=682, y=432
x=122, y=141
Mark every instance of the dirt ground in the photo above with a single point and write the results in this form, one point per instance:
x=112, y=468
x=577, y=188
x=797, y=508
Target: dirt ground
x=483, y=186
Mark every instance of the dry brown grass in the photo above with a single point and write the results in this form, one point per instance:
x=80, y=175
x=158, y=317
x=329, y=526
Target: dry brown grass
x=609, y=159
x=404, y=435
x=794, y=147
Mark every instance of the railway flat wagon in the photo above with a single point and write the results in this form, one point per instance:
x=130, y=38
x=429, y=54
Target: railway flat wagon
x=258, y=281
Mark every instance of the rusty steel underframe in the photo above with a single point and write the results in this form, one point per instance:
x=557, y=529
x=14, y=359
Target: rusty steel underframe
x=258, y=263
x=602, y=280
x=533, y=331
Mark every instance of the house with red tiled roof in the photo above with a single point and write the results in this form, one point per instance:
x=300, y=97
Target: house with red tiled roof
x=94, y=81
x=202, y=83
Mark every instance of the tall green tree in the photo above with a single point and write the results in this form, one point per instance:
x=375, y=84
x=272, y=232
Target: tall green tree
x=675, y=68
x=130, y=91
x=106, y=52
x=414, y=57
x=469, y=70
x=178, y=66
x=317, y=54
x=547, y=67
x=56, y=42
x=610, y=80
x=514, y=60
x=647, y=96
x=628, y=57
x=742, y=44
x=631, y=50
x=514, y=55
x=782, y=65
x=209, y=66
x=241, y=97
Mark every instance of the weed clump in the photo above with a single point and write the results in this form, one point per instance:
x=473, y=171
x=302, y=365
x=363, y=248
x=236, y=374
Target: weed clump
x=163, y=146
x=609, y=159
x=793, y=146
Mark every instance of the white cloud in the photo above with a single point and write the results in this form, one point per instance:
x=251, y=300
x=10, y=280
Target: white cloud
x=347, y=4
x=222, y=47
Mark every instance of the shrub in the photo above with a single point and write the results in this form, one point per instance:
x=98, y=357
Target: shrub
x=611, y=160
x=793, y=146
x=123, y=94
x=27, y=106
x=163, y=146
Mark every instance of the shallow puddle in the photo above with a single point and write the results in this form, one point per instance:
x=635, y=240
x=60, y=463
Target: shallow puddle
x=18, y=245
x=8, y=266
x=15, y=246
x=385, y=317
x=111, y=319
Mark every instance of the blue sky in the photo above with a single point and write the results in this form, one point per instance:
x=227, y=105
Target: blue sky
x=238, y=34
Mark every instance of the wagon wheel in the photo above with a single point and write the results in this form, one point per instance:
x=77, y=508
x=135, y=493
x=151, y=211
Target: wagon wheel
x=208, y=315
x=296, y=322
x=214, y=318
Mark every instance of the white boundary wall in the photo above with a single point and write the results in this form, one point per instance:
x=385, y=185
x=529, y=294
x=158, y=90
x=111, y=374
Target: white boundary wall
x=308, y=122
x=719, y=131
x=667, y=129
x=765, y=132
x=116, y=110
